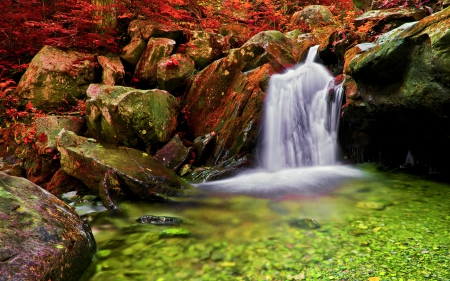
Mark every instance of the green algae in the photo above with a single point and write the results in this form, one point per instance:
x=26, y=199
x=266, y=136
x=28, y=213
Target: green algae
x=245, y=238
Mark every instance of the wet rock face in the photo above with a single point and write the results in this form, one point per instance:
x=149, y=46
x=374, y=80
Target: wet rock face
x=117, y=173
x=399, y=97
x=126, y=116
x=55, y=78
x=227, y=96
x=41, y=237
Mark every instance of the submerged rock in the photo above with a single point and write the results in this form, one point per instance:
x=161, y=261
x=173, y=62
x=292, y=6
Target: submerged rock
x=159, y=220
x=41, y=237
x=304, y=223
x=117, y=173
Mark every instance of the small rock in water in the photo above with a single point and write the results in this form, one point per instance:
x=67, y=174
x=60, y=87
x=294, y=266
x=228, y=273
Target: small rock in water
x=175, y=232
x=304, y=223
x=371, y=205
x=159, y=220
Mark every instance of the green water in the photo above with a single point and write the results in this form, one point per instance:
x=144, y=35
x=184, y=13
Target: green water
x=384, y=227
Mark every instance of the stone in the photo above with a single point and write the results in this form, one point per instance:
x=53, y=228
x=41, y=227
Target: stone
x=399, y=99
x=174, y=72
x=57, y=78
x=388, y=19
x=227, y=96
x=113, y=71
x=174, y=154
x=146, y=69
x=137, y=175
x=313, y=15
x=132, y=52
x=159, y=220
x=205, y=47
x=146, y=29
x=136, y=118
x=236, y=33
x=204, y=146
x=42, y=238
x=48, y=128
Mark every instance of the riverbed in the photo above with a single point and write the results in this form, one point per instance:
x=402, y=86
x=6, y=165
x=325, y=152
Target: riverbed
x=383, y=226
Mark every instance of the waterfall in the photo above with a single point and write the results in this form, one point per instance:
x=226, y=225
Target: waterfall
x=299, y=145
x=300, y=120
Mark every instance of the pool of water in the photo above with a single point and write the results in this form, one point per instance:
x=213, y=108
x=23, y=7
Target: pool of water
x=385, y=226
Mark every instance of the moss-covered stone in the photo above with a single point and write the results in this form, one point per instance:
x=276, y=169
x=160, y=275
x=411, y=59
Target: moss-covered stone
x=56, y=77
x=146, y=69
x=136, y=118
x=138, y=174
x=42, y=238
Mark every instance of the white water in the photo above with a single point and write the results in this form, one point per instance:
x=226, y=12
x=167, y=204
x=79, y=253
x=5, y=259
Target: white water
x=296, y=117
x=299, y=148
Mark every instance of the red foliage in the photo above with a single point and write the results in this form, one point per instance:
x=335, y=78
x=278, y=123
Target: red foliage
x=172, y=63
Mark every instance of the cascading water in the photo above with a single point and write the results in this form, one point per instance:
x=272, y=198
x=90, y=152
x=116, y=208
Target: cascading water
x=298, y=130
x=299, y=147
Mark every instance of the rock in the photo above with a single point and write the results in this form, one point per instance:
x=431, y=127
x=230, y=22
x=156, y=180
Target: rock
x=205, y=47
x=146, y=29
x=48, y=128
x=113, y=71
x=139, y=175
x=236, y=33
x=313, y=15
x=56, y=78
x=126, y=116
x=61, y=183
x=204, y=146
x=159, y=220
x=227, y=96
x=399, y=100
x=42, y=237
x=146, y=69
x=132, y=52
x=363, y=4
x=304, y=223
x=388, y=19
x=174, y=72
x=301, y=43
x=174, y=154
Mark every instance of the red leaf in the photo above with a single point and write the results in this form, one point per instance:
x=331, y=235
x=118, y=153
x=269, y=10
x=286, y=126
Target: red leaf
x=29, y=105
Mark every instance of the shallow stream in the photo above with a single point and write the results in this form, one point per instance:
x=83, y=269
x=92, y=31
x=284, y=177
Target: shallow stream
x=385, y=226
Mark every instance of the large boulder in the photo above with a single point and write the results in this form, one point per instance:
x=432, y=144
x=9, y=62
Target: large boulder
x=132, y=52
x=142, y=119
x=56, y=77
x=135, y=173
x=388, y=19
x=227, y=96
x=174, y=72
x=146, y=69
x=205, y=47
x=312, y=16
x=398, y=95
x=41, y=238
